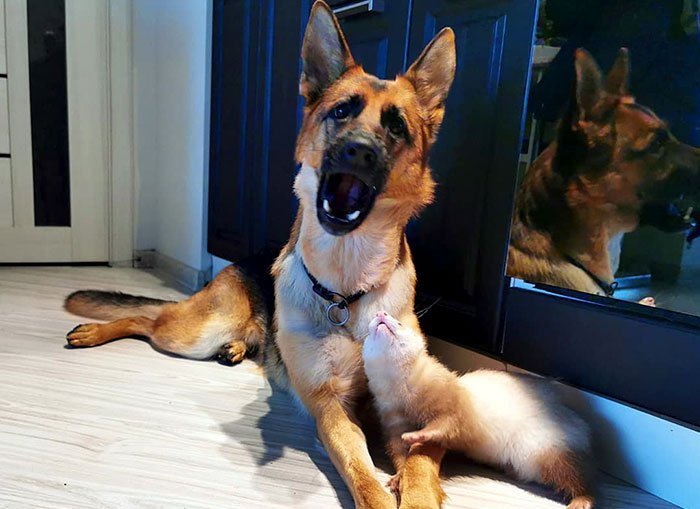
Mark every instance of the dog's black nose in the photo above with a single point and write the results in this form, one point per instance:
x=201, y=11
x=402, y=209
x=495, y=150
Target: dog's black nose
x=359, y=155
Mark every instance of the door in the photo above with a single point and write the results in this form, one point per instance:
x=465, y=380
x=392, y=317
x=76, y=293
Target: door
x=53, y=131
x=378, y=38
x=473, y=161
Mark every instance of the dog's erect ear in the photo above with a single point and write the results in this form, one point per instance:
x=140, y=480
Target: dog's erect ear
x=617, y=80
x=432, y=74
x=589, y=83
x=324, y=53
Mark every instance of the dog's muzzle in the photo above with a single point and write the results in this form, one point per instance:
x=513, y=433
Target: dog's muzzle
x=352, y=175
x=673, y=204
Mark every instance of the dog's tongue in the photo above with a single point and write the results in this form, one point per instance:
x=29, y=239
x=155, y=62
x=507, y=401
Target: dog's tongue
x=345, y=193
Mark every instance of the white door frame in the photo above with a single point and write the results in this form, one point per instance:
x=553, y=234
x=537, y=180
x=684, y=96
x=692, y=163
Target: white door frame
x=87, y=69
x=122, y=180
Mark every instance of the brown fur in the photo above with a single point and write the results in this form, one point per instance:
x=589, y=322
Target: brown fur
x=305, y=353
x=590, y=185
x=564, y=471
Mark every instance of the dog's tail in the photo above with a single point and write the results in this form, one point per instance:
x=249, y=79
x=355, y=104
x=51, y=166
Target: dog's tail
x=101, y=305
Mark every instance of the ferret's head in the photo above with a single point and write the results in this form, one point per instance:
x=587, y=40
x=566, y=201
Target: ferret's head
x=390, y=340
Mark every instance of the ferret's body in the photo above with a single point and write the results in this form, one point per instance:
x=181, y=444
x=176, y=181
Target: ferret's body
x=515, y=422
x=521, y=417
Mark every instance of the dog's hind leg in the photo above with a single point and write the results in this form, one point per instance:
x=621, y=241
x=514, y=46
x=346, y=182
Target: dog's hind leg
x=172, y=334
x=94, y=334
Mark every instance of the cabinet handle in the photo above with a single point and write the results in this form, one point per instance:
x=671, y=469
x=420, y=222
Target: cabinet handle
x=358, y=7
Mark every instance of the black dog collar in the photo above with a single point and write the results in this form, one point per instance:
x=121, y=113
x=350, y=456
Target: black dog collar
x=337, y=300
x=608, y=288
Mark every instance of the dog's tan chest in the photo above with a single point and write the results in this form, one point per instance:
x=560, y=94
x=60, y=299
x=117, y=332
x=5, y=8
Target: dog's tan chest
x=317, y=352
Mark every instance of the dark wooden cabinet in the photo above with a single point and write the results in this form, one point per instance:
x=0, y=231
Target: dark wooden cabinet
x=379, y=40
x=460, y=241
x=279, y=113
x=233, y=99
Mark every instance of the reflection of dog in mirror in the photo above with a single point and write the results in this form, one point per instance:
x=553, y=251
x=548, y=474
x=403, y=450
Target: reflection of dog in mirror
x=517, y=422
x=614, y=165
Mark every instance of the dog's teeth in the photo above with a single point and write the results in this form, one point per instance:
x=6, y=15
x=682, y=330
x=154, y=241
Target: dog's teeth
x=326, y=206
x=353, y=216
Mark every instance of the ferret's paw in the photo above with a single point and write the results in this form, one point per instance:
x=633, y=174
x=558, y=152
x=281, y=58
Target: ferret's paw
x=394, y=484
x=583, y=502
x=417, y=437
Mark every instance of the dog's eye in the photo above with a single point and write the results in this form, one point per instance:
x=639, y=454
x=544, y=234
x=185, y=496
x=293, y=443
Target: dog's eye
x=393, y=121
x=397, y=126
x=655, y=146
x=342, y=111
x=657, y=143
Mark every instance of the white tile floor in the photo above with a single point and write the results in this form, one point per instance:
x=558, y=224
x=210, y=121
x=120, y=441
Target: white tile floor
x=124, y=426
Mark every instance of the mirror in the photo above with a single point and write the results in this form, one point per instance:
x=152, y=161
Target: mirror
x=608, y=198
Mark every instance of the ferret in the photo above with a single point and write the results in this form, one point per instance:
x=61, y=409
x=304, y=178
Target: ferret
x=514, y=422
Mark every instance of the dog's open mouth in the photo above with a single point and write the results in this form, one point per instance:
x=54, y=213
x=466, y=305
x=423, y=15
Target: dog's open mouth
x=343, y=202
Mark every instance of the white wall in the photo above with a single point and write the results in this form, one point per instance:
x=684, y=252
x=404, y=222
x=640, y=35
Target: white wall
x=171, y=42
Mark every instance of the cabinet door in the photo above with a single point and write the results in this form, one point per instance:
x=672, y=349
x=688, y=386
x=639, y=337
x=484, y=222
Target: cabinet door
x=378, y=39
x=459, y=242
x=232, y=165
x=280, y=114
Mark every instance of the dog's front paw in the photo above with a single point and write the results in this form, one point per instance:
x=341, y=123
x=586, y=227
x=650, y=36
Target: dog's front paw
x=377, y=500
x=233, y=352
x=85, y=335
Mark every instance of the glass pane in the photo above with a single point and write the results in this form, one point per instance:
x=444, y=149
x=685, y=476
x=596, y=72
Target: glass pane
x=609, y=194
x=49, y=111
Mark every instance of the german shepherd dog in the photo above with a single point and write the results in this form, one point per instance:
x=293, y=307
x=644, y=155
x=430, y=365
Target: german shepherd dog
x=363, y=155
x=614, y=165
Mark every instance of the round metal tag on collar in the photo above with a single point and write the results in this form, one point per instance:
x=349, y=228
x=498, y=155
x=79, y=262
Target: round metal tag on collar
x=338, y=311
x=339, y=317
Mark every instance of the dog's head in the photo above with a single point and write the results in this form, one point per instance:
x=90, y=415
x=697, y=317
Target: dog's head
x=619, y=158
x=365, y=139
